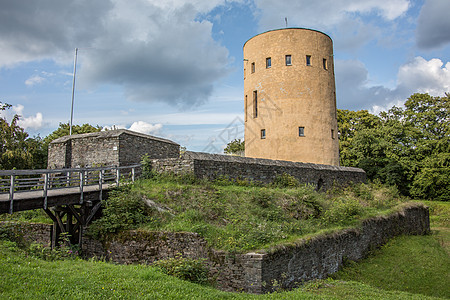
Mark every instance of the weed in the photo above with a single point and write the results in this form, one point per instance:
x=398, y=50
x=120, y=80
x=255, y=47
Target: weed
x=194, y=270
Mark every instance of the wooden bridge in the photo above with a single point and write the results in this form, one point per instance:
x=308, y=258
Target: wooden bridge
x=70, y=197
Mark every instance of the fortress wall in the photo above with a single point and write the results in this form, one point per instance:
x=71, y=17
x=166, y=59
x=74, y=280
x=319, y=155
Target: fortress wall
x=212, y=166
x=288, y=266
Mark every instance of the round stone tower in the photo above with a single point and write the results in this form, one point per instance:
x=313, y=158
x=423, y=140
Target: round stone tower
x=290, y=99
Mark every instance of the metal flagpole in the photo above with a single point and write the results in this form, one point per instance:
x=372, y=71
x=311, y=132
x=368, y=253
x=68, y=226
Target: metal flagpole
x=73, y=89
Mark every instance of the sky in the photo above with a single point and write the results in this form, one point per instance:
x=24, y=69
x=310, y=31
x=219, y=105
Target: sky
x=174, y=68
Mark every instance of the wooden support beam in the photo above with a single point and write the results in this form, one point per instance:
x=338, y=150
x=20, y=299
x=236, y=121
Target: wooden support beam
x=92, y=213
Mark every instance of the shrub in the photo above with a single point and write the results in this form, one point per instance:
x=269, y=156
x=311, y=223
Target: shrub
x=13, y=232
x=124, y=209
x=285, y=181
x=64, y=251
x=194, y=270
x=342, y=211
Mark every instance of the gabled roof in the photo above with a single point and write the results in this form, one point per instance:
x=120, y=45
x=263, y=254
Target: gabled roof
x=110, y=134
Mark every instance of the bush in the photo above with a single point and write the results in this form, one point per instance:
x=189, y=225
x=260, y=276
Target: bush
x=285, y=181
x=193, y=270
x=124, y=209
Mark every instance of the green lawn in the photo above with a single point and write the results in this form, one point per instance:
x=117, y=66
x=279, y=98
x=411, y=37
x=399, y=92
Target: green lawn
x=26, y=277
x=407, y=267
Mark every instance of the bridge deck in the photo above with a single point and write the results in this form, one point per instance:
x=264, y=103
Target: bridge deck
x=27, y=200
x=33, y=189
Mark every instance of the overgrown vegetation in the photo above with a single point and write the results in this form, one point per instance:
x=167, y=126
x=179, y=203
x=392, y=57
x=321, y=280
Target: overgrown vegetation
x=405, y=262
x=240, y=216
x=193, y=270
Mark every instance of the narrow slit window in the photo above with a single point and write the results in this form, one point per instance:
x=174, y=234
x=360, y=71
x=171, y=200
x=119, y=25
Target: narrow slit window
x=288, y=60
x=253, y=67
x=325, y=67
x=332, y=134
x=255, y=104
x=308, y=60
x=245, y=108
x=301, y=131
x=263, y=134
x=268, y=62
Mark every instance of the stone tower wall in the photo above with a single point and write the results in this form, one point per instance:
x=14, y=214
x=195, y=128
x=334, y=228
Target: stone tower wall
x=290, y=96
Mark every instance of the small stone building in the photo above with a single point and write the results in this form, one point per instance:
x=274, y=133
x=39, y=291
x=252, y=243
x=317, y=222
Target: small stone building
x=108, y=148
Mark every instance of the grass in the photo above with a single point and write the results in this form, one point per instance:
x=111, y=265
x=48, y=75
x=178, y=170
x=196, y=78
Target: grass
x=407, y=267
x=241, y=216
x=26, y=277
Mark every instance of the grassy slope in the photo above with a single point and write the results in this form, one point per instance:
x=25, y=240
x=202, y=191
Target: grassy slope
x=23, y=277
x=241, y=218
x=416, y=264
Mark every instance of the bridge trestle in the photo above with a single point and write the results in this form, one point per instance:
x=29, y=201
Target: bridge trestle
x=70, y=220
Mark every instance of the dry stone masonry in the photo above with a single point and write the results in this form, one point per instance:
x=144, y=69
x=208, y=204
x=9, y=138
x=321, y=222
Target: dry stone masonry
x=211, y=166
x=256, y=272
x=107, y=148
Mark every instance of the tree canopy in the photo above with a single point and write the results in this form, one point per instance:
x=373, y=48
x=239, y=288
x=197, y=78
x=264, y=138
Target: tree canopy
x=405, y=146
x=235, y=147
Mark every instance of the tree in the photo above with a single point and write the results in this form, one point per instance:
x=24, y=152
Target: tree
x=408, y=147
x=17, y=150
x=235, y=147
x=64, y=129
x=349, y=124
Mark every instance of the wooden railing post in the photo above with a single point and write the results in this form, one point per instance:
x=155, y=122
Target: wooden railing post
x=81, y=186
x=132, y=174
x=100, y=184
x=11, y=193
x=117, y=176
x=45, y=189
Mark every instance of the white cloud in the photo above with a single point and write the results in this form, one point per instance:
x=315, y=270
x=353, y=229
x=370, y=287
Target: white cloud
x=35, y=79
x=34, y=122
x=325, y=13
x=433, y=24
x=144, y=127
x=424, y=76
x=417, y=76
x=138, y=126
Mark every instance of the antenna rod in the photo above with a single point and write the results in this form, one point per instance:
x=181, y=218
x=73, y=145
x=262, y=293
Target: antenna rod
x=285, y=19
x=73, y=89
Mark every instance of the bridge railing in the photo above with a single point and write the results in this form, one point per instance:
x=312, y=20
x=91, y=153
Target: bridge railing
x=13, y=182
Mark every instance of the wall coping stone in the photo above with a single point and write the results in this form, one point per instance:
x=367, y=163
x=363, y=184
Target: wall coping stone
x=262, y=161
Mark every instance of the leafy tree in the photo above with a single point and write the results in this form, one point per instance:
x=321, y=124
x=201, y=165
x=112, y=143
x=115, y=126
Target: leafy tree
x=349, y=124
x=64, y=129
x=17, y=150
x=235, y=147
x=408, y=147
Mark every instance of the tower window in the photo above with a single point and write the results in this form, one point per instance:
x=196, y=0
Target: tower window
x=325, y=67
x=301, y=131
x=255, y=104
x=245, y=108
x=308, y=60
x=253, y=67
x=268, y=62
x=288, y=60
x=332, y=134
x=263, y=133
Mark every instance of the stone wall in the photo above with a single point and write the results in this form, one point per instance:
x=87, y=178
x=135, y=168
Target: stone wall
x=308, y=259
x=133, y=147
x=32, y=233
x=210, y=166
x=107, y=148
